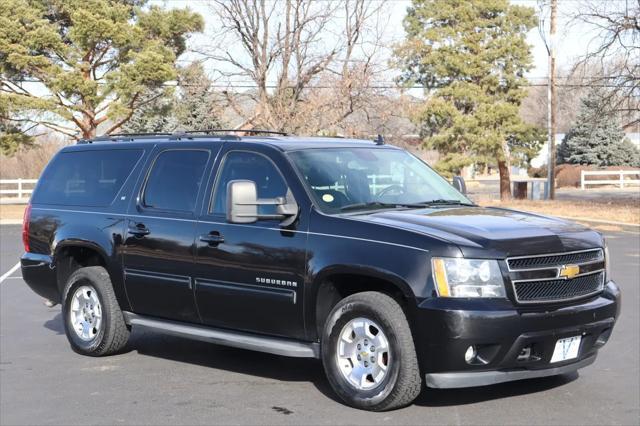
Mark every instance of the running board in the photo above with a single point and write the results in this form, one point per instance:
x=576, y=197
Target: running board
x=272, y=345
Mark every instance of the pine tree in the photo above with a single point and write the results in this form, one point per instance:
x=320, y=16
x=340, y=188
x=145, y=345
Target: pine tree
x=196, y=108
x=471, y=57
x=597, y=137
x=191, y=107
x=94, y=59
x=155, y=116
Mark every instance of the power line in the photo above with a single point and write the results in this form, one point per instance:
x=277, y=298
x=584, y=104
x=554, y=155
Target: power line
x=381, y=85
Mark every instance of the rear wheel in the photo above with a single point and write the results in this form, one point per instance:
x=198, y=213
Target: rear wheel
x=368, y=353
x=93, y=321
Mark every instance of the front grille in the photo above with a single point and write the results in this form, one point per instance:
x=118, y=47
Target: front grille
x=558, y=289
x=532, y=262
x=551, y=277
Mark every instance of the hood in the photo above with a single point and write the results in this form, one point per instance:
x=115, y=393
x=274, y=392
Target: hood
x=491, y=232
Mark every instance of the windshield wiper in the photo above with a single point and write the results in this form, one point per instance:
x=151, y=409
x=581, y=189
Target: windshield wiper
x=441, y=201
x=378, y=204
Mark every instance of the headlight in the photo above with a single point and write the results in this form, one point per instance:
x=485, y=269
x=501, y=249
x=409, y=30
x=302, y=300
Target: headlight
x=607, y=263
x=459, y=277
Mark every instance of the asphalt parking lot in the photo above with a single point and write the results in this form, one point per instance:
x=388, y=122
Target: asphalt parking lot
x=168, y=380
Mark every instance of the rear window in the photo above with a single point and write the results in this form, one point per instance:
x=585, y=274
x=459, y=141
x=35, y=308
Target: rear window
x=86, y=178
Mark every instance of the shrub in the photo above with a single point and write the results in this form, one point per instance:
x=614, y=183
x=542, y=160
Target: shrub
x=28, y=163
x=538, y=172
x=568, y=175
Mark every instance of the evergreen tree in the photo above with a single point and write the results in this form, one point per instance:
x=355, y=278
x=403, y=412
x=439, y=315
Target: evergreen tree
x=597, y=137
x=196, y=109
x=13, y=138
x=95, y=59
x=191, y=107
x=157, y=115
x=471, y=57
x=12, y=135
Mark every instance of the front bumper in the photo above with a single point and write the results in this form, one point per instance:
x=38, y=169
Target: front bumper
x=484, y=378
x=504, y=334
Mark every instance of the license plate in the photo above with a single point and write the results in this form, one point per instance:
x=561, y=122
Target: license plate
x=566, y=349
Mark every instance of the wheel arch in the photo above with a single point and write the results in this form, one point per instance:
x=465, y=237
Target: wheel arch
x=72, y=254
x=337, y=282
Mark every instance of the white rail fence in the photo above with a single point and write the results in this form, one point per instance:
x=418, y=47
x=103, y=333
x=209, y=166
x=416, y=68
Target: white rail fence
x=621, y=181
x=16, y=191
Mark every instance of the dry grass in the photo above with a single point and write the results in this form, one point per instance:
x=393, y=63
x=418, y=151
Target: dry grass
x=12, y=211
x=617, y=210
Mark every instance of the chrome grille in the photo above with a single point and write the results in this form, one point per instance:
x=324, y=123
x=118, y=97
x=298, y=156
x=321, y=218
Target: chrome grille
x=560, y=289
x=541, y=261
x=557, y=277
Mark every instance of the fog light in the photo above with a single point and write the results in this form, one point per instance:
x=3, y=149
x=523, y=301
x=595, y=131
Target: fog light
x=470, y=354
x=603, y=338
x=525, y=354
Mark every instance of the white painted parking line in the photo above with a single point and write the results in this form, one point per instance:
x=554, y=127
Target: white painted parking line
x=14, y=278
x=9, y=272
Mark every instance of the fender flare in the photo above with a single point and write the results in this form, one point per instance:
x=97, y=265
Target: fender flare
x=365, y=271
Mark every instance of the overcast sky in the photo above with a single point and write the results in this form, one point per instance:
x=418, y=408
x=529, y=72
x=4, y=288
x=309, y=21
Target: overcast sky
x=572, y=39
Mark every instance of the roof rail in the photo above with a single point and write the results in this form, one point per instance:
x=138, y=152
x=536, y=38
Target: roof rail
x=115, y=135
x=252, y=131
x=178, y=134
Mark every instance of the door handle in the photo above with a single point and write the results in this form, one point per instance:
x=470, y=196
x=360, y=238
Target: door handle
x=139, y=230
x=213, y=238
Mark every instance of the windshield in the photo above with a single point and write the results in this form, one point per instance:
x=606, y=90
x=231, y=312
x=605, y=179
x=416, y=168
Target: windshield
x=348, y=179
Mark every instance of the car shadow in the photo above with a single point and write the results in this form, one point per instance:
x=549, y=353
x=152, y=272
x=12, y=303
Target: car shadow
x=274, y=367
x=55, y=324
x=285, y=369
x=450, y=397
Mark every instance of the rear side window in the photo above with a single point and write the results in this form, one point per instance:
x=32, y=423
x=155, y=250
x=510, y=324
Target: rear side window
x=175, y=180
x=86, y=178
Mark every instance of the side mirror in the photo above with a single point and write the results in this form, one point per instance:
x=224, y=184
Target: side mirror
x=459, y=184
x=243, y=202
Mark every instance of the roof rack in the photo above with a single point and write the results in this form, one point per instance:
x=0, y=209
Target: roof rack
x=183, y=133
x=113, y=135
x=252, y=131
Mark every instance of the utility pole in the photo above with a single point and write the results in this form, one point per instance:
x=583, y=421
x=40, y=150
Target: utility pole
x=552, y=102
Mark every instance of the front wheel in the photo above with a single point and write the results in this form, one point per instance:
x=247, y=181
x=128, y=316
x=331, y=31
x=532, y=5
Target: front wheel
x=92, y=318
x=368, y=353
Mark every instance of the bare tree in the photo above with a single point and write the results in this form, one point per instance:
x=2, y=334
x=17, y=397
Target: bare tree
x=613, y=54
x=310, y=64
x=570, y=90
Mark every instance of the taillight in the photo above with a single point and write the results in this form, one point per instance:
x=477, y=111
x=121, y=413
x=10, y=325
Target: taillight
x=25, y=227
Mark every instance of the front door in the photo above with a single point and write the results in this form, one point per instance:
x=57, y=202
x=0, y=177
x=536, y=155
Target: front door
x=249, y=277
x=159, y=246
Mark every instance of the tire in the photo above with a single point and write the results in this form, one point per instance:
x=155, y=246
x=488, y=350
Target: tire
x=108, y=333
x=401, y=383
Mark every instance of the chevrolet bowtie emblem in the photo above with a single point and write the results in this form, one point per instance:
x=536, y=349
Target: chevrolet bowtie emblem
x=569, y=271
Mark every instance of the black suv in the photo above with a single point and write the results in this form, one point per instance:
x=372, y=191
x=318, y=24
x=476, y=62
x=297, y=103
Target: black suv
x=351, y=251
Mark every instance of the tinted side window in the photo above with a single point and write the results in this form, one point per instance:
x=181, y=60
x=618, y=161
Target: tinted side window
x=86, y=178
x=249, y=166
x=175, y=179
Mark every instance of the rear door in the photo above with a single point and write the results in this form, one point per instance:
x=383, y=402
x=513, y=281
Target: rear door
x=250, y=277
x=159, y=243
